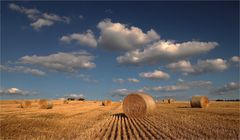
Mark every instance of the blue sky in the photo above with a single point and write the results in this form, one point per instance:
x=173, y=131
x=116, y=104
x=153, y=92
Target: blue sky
x=104, y=50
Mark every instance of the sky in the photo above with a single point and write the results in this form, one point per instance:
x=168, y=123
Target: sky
x=106, y=50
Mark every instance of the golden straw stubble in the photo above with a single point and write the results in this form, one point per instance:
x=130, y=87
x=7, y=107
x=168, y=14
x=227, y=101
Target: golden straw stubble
x=138, y=105
x=199, y=102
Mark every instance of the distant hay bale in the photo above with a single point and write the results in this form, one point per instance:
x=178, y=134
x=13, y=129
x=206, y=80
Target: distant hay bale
x=25, y=104
x=138, y=105
x=165, y=100
x=171, y=101
x=65, y=101
x=199, y=101
x=45, y=104
x=106, y=102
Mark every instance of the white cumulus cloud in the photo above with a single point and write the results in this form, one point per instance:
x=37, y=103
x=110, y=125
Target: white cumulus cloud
x=123, y=92
x=22, y=69
x=230, y=87
x=120, y=37
x=133, y=80
x=87, y=38
x=235, y=59
x=38, y=18
x=62, y=61
x=165, y=51
x=202, y=66
x=15, y=91
x=75, y=96
x=156, y=75
x=182, y=86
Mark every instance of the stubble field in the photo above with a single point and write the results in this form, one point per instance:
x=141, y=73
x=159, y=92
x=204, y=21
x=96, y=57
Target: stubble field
x=90, y=120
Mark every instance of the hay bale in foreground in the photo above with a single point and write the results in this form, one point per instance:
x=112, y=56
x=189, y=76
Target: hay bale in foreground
x=137, y=105
x=106, y=102
x=45, y=104
x=199, y=101
x=171, y=101
x=25, y=104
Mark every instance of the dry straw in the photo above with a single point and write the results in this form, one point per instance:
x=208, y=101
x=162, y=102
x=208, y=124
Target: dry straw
x=45, y=104
x=138, y=105
x=25, y=104
x=106, y=102
x=199, y=101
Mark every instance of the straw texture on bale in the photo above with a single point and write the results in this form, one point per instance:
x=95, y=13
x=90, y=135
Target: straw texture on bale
x=45, y=104
x=137, y=105
x=199, y=101
x=25, y=104
x=106, y=102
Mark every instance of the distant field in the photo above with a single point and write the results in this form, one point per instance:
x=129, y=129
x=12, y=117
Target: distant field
x=90, y=120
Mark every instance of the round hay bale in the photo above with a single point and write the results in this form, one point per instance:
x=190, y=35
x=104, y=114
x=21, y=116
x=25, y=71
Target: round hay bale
x=199, y=101
x=138, y=105
x=65, y=101
x=25, y=104
x=106, y=102
x=170, y=101
x=45, y=104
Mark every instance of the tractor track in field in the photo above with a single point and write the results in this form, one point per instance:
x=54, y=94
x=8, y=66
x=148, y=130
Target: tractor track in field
x=118, y=126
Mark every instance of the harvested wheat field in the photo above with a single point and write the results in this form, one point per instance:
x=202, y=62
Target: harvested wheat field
x=90, y=120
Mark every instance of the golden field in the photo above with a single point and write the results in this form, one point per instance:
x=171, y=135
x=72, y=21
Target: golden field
x=90, y=120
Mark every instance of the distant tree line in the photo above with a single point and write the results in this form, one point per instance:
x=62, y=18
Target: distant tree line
x=228, y=100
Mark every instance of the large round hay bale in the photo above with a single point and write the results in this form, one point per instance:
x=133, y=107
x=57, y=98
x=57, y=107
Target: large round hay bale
x=106, y=102
x=25, y=104
x=45, y=104
x=137, y=105
x=199, y=101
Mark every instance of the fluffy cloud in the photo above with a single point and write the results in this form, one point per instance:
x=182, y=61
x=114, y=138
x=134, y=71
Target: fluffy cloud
x=182, y=65
x=16, y=91
x=202, y=66
x=181, y=86
x=235, y=59
x=87, y=38
x=123, y=92
x=133, y=80
x=232, y=86
x=170, y=88
x=119, y=37
x=73, y=95
x=22, y=69
x=38, y=18
x=118, y=80
x=31, y=13
x=65, y=62
x=165, y=51
x=156, y=75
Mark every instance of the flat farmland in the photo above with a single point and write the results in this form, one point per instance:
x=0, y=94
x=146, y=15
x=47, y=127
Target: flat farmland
x=90, y=120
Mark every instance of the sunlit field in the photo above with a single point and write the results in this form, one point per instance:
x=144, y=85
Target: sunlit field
x=91, y=120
